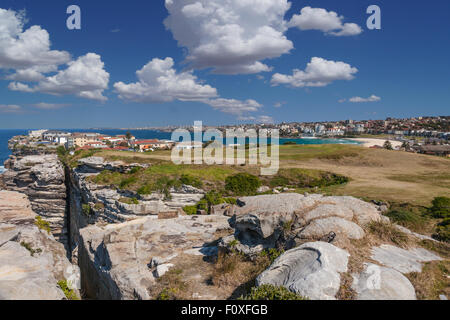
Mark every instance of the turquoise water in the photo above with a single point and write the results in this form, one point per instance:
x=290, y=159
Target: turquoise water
x=5, y=135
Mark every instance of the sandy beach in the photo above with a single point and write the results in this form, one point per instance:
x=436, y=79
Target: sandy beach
x=368, y=142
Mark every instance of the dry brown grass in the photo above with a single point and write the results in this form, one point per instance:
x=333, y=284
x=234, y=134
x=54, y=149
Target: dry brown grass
x=386, y=175
x=433, y=281
x=346, y=291
x=235, y=273
x=387, y=232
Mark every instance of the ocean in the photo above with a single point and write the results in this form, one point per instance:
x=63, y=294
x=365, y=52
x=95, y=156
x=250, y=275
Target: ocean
x=6, y=134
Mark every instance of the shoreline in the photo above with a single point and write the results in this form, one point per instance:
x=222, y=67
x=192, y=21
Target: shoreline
x=372, y=142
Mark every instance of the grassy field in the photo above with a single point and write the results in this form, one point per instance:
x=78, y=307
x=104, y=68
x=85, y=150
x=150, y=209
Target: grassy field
x=374, y=174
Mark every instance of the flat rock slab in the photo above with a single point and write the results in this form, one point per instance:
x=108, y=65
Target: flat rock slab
x=404, y=261
x=311, y=270
x=381, y=283
x=23, y=277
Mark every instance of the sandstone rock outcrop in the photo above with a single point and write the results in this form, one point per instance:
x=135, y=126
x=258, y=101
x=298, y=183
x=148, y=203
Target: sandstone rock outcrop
x=90, y=203
x=269, y=221
x=31, y=260
x=311, y=270
x=42, y=179
x=381, y=283
x=120, y=261
x=404, y=261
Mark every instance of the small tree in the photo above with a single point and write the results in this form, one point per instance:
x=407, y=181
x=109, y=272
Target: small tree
x=388, y=145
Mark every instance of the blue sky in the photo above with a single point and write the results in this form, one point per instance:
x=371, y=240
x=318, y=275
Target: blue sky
x=403, y=67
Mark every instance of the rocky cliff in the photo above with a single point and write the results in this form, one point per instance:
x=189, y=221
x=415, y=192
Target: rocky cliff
x=42, y=179
x=32, y=262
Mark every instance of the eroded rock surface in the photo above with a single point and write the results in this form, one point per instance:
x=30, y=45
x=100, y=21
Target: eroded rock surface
x=311, y=270
x=381, y=283
x=269, y=221
x=31, y=260
x=42, y=179
x=120, y=261
x=404, y=261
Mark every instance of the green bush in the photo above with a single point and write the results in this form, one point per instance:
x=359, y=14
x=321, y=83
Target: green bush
x=42, y=224
x=28, y=246
x=443, y=231
x=405, y=217
x=191, y=181
x=127, y=181
x=87, y=210
x=270, y=292
x=135, y=170
x=69, y=293
x=190, y=210
x=242, y=184
x=146, y=189
x=440, y=208
x=272, y=254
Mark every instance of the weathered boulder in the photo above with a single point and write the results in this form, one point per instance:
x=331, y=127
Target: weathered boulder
x=118, y=261
x=311, y=270
x=317, y=229
x=404, y=261
x=31, y=260
x=269, y=221
x=381, y=283
x=42, y=179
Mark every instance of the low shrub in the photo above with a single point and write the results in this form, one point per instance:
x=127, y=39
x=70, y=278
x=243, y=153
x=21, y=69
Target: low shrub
x=270, y=292
x=127, y=181
x=87, y=209
x=28, y=246
x=443, y=231
x=190, y=210
x=42, y=224
x=272, y=254
x=242, y=184
x=191, y=181
x=69, y=293
x=440, y=208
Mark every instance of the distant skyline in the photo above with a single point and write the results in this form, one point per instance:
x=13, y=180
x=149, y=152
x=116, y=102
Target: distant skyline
x=162, y=63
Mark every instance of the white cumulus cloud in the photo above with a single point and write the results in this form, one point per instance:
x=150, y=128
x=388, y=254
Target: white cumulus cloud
x=233, y=106
x=160, y=82
x=84, y=77
x=318, y=73
x=23, y=49
x=230, y=36
x=328, y=22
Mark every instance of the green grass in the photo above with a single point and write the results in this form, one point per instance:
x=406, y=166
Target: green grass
x=271, y=293
x=304, y=178
x=69, y=293
x=323, y=152
x=42, y=224
x=29, y=247
x=129, y=200
x=410, y=216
